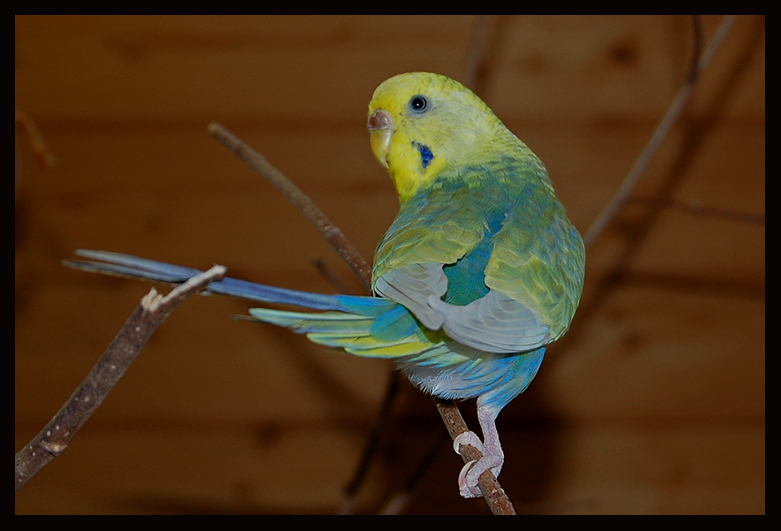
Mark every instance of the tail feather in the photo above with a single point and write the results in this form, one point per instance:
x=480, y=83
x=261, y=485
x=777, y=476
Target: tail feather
x=132, y=266
x=357, y=333
x=396, y=322
x=312, y=323
x=361, y=325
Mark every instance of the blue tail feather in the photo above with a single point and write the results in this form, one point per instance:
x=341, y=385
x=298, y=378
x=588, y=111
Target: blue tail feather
x=361, y=325
x=394, y=323
x=133, y=266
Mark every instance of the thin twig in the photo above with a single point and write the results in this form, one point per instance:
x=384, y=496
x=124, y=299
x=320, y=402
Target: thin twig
x=370, y=447
x=696, y=208
x=328, y=274
x=694, y=62
x=52, y=440
x=398, y=502
x=331, y=232
x=492, y=492
x=42, y=152
x=476, y=52
x=660, y=134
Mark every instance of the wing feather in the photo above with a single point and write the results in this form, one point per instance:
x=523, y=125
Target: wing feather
x=516, y=235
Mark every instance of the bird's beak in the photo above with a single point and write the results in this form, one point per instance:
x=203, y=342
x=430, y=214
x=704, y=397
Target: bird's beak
x=380, y=125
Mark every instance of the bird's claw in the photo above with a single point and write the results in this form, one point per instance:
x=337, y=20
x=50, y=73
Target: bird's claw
x=471, y=472
x=468, y=438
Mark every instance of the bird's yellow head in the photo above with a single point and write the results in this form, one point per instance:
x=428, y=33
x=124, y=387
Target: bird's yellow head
x=422, y=124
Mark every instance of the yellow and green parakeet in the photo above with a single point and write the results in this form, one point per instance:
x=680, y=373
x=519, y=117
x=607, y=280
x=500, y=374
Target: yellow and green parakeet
x=480, y=270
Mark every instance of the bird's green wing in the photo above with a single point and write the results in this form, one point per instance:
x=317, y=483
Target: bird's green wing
x=538, y=260
x=433, y=229
x=504, y=244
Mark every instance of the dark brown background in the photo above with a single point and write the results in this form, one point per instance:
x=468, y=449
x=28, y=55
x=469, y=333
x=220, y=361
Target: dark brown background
x=655, y=401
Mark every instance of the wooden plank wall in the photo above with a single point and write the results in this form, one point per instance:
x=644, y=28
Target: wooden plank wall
x=655, y=401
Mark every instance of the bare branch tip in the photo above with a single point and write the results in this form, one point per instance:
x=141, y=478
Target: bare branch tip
x=151, y=300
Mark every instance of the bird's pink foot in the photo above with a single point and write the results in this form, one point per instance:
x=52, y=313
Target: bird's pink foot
x=467, y=479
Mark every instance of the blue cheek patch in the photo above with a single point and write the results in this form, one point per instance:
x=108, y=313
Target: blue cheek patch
x=426, y=156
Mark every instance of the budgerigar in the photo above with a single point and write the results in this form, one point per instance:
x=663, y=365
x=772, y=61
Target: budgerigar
x=480, y=270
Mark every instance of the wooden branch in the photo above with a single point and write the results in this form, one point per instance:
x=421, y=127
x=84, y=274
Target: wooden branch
x=330, y=232
x=52, y=440
x=662, y=131
x=476, y=51
x=492, y=492
x=695, y=208
x=370, y=447
x=398, y=502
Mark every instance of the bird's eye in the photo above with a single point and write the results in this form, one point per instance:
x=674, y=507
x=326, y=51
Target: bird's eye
x=418, y=104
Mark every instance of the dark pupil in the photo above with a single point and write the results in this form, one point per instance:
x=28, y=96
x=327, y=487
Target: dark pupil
x=418, y=103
